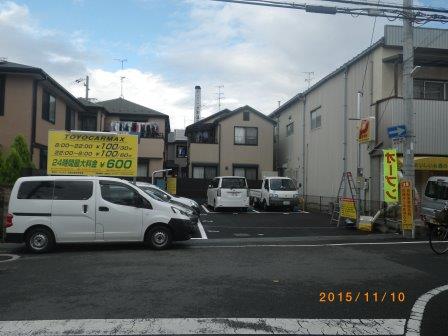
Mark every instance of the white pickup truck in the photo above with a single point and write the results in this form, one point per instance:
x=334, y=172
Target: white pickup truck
x=275, y=192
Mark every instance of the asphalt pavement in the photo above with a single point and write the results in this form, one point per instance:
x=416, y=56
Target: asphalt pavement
x=299, y=278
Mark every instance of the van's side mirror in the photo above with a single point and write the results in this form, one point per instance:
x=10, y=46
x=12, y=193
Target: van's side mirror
x=300, y=185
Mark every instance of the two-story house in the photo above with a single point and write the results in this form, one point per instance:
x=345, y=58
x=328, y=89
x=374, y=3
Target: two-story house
x=317, y=130
x=150, y=125
x=238, y=142
x=32, y=103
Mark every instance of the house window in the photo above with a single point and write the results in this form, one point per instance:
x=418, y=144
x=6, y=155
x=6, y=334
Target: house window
x=250, y=172
x=205, y=172
x=142, y=169
x=433, y=90
x=246, y=136
x=246, y=116
x=2, y=94
x=289, y=129
x=181, y=151
x=70, y=120
x=87, y=122
x=48, y=107
x=43, y=157
x=316, y=119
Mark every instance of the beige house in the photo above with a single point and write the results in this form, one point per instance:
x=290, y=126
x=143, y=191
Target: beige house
x=150, y=125
x=32, y=103
x=316, y=138
x=238, y=142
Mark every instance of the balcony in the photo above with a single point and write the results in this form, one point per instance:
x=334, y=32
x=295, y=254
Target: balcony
x=431, y=120
x=151, y=148
x=204, y=153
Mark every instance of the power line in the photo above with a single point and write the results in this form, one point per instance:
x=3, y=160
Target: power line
x=368, y=56
x=389, y=5
x=391, y=12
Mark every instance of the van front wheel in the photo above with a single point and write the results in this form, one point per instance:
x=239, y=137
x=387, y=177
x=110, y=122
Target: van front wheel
x=159, y=238
x=39, y=240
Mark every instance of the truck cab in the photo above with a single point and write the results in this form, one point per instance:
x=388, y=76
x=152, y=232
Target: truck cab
x=276, y=192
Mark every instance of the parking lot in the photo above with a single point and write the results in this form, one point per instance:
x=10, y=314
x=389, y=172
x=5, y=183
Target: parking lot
x=256, y=223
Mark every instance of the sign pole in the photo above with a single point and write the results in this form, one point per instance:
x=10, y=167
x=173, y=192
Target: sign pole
x=359, y=171
x=408, y=92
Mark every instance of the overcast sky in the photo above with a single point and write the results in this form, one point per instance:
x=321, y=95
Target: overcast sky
x=259, y=54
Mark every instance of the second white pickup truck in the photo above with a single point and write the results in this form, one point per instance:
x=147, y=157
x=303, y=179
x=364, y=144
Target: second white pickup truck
x=275, y=192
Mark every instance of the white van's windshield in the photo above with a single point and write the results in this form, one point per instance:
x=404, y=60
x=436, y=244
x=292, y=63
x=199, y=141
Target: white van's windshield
x=282, y=184
x=437, y=189
x=233, y=183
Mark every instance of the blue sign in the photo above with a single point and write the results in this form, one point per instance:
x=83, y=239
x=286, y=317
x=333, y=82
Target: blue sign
x=397, y=132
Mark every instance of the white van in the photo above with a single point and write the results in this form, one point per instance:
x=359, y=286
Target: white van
x=434, y=198
x=62, y=209
x=228, y=192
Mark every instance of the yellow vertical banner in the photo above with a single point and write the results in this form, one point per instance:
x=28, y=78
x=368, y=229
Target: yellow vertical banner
x=407, y=216
x=390, y=170
x=171, y=185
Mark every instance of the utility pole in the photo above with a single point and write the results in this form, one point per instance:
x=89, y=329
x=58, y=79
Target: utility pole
x=122, y=61
x=220, y=96
x=86, y=84
x=408, y=93
x=122, y=78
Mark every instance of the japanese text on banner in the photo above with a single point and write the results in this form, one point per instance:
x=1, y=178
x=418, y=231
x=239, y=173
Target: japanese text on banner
x=407, y=218
x=390, y=176
x=91, y=153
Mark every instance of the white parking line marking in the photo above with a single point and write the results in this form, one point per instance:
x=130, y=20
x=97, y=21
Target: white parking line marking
x=214, y=326
x=11, y=257
x=311, y=245
x=212, y=231
x=415, y=320
x=205, y=208
x=201, y=230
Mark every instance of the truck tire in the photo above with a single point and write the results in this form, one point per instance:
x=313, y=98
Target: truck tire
x=265, y=206
x=39, y=240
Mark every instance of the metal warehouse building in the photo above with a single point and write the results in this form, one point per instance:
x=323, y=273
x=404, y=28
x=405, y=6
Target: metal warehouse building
x=316, y=140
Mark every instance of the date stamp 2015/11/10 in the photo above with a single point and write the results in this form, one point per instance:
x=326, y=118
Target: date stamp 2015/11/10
x=362, y=297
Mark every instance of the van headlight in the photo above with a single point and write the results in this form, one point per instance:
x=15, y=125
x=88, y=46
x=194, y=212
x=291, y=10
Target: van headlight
x=273, y=195
x=181, y=211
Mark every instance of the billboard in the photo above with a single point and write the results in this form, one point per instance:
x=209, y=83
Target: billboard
x=92, y=153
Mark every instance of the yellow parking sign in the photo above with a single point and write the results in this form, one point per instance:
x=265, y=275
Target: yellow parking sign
x=92, y=153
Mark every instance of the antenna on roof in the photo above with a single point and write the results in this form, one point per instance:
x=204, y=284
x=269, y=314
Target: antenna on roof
x=309, y=77
x=122, y=78
x=121, y=60
x=220, y=95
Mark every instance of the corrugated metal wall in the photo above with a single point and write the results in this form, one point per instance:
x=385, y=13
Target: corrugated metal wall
x=431, y=121
x=423, y=37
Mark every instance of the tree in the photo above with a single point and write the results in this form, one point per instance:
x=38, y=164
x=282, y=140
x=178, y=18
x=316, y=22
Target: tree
x=17, y=162
x=19, y=144
x=12, y=167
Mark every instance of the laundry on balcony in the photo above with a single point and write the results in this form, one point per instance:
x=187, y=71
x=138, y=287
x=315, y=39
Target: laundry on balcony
x=143, y=130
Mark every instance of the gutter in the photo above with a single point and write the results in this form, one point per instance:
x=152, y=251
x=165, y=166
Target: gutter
x=34, y=116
